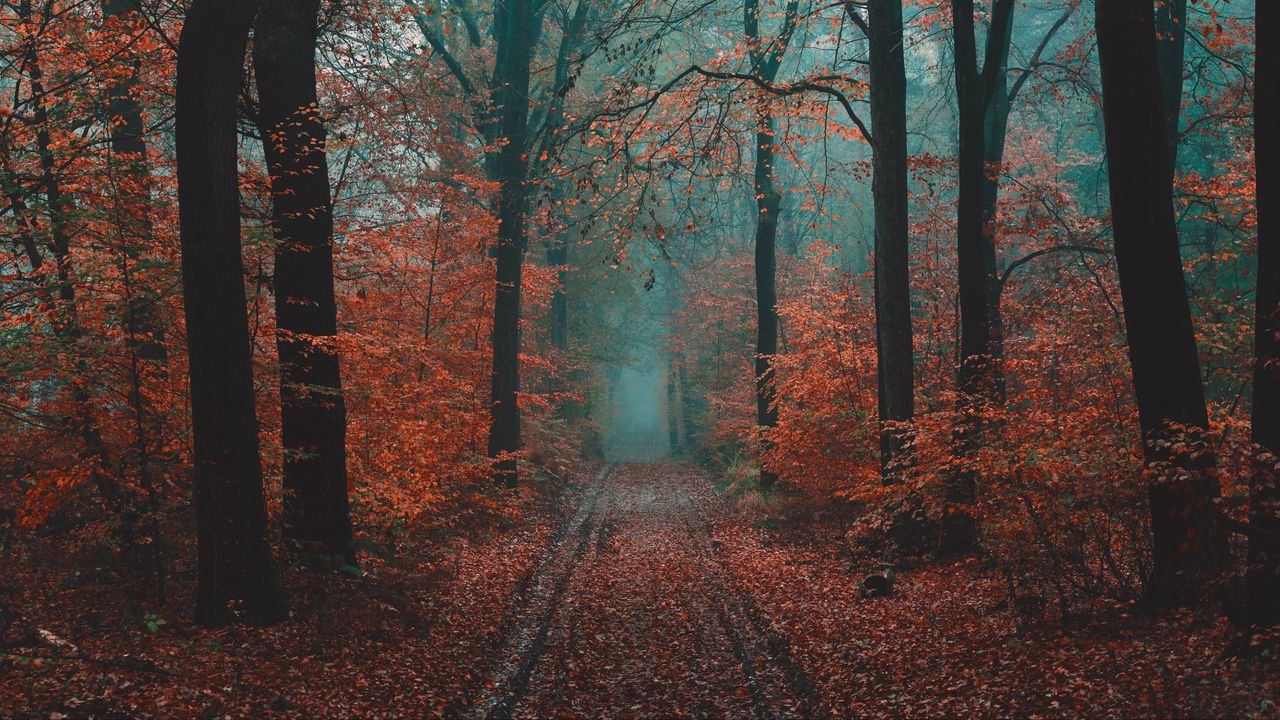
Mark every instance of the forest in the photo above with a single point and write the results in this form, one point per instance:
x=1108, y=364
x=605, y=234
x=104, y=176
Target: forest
x=639, y=358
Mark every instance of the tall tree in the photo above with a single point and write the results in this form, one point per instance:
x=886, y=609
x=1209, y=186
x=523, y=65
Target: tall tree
x=977, y=375
x=895, y=357
x=131, y=210
x=1263, y=580
x=1003, y=97
x=1188, y=548
x=236, y=575
x=766, y=59
x=513, y=26
x=313, y=420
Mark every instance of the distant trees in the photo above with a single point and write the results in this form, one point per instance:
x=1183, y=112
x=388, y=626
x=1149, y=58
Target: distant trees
x=312, y=408
x=235, y=571
x=1188, y=548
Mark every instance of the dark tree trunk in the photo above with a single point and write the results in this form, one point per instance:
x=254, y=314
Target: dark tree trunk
x=313, y=423
x=895, y=357
x=1188, y=549
x=235, y=571
x=1171, y=43
x=513, y=23
x=768, y=202
x=1263, y=583
x=766, y=59
x=995, y=131
x=978, y=375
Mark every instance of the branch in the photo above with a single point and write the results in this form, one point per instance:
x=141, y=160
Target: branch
x=1035, y=57
x=850, y=9
x=1041, y=253
x=794, y=88
x=437, y=43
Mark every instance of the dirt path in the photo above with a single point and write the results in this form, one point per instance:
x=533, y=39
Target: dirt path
x=632, y=612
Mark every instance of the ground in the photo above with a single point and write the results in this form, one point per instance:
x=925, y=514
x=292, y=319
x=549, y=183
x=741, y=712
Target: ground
x=645, y=594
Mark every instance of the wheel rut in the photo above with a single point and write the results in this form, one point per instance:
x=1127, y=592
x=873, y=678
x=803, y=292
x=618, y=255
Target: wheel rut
x=635, y=612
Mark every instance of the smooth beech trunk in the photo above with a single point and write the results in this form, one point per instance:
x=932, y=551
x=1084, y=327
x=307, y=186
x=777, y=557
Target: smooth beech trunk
x=766, y=59
x=768, y=203
x=513, y=24
x=236, y=578
x=895, y=355
x=1263, y=580
x=979, y=374
x=313, y=421
x=1188, y=548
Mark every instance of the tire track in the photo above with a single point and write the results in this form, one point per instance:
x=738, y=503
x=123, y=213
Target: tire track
x=527, y=641
x=742, y=622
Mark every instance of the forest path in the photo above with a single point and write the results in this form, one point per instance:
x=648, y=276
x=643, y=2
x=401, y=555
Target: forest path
x=633, y=612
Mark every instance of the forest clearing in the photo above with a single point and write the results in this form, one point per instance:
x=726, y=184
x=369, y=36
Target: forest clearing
x=639, y=358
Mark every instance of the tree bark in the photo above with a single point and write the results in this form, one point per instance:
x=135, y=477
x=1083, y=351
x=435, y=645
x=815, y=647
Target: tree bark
x=313, y=422
x=768, y=202
x=895, y=356
x=978, y=374
x=1263, y=579
x=1188, y=548
x=513, y=23
x=766, y=59
x=236, y=578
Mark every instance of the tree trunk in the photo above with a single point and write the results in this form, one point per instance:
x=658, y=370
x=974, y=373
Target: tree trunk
x=995, y=133
x=895, y=357
x=513, y=23
x=978, y=374
x=313, y=423
x=1188, y=549
x=1263, y=581
x=768, y=202
x=235, y=571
